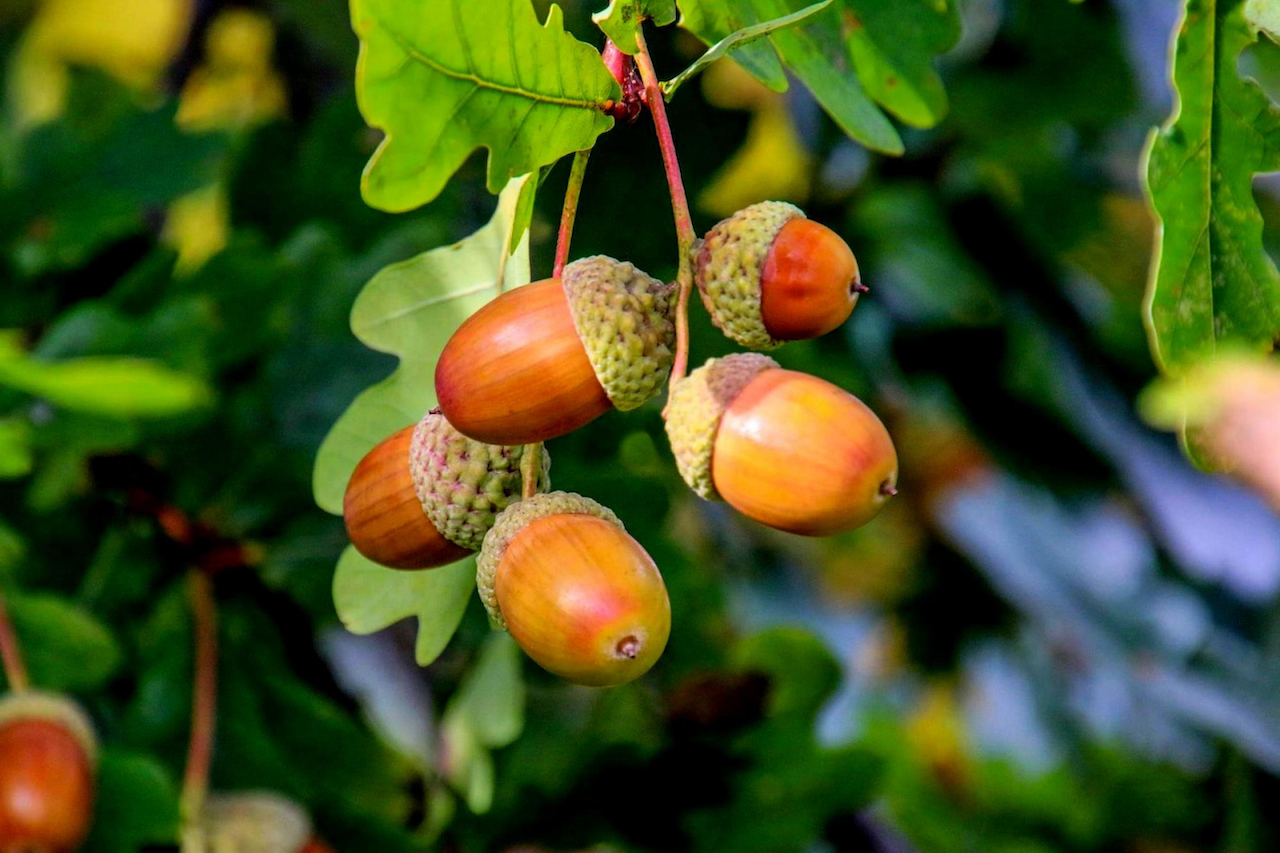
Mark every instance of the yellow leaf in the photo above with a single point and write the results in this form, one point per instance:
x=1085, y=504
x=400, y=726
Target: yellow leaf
x=197, y=227
x=236, y=87
x=773, y=163
x=132, y=40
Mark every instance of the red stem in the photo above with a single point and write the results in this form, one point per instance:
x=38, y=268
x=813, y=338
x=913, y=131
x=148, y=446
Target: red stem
x=204, y=699
x=570, y=212
x=15, y=669
x=685, y=235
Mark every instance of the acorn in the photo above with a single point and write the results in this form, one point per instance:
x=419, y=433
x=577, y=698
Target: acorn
x=250, y=822
x=48, y=758
x=542, y=360
x=579, y=595
x=768, y=275
x=426, y=496
x=787, y=449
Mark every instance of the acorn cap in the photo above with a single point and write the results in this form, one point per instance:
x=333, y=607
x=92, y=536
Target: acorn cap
x=697, y=403
x=729, y=264
x=508, y=527
x=52, y=708
x=248, y=822
x=624, y=318
x=463, y=484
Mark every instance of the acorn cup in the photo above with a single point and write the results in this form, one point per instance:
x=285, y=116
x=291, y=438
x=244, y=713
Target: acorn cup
x=768, y=275
x=787, y=449
x=426, y=496
x=48, y=759
x=251, y=822
x=578, y=594
x=542, y=360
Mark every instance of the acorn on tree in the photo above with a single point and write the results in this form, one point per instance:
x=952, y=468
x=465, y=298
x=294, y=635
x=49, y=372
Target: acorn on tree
x=48, y=758
x=578, y=594
x=768, y=275
x=544, y=359
x=426, y=496
x=787, y=449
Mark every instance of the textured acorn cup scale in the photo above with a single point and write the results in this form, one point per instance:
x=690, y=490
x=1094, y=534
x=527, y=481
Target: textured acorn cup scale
x=578, y=594
x=544, y=359
x=427, y=495
x=48, y=755
x=768, y=275
x=790, y=450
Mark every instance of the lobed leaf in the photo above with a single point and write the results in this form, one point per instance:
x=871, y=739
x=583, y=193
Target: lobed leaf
x=466, y=74
x=1212, y=281
x=370, y=597
x=410, y=310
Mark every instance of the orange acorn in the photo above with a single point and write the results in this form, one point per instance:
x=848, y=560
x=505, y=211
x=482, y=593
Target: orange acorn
x=767, y=275
x=579, y=595
x=542, y=360
x=787, y=449
x=426, y=496
x=48, y=755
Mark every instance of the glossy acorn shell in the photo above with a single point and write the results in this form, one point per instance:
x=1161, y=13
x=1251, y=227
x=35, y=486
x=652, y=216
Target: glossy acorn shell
x=516, y=372
x=799, y=454
x=46, y=787
x=809, y=282
x=583, y=599
x=384, y=516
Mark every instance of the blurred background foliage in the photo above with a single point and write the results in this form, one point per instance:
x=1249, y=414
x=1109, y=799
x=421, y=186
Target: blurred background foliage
x=1061, y=637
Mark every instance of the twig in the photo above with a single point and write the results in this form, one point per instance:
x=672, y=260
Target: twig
x=685, y=234
x=531, y=468
x=570, y=211
x=15, y=669
x=204, y=698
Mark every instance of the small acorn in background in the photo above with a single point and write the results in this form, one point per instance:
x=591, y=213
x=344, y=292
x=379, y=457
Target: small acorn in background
x=251, y=822
x=48, y=758
x=578, y=594
x=768, y=275
x=787, y=449
x=544, y=359
x=426, y=496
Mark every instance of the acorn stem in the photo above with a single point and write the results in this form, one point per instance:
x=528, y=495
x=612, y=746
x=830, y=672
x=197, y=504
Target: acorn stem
x=570, y=211
x=685, y=234
x=529, y=465
x=204, y=699
x=15, y=668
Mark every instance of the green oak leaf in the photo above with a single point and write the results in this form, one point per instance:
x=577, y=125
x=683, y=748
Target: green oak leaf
x=1264, y=16
x=466, y=74
x=714, y=20
x=1212, y=280
x=115, y=386
x=66, y=647
x=893, y=45
x=852, y=56
x=621, y=20
x=736, y=40
x=369, y=597
x=410, y=309
x=816, y=53
x=136, y=804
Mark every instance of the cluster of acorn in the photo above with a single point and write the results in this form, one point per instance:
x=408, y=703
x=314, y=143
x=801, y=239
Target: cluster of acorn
x=557, y=570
